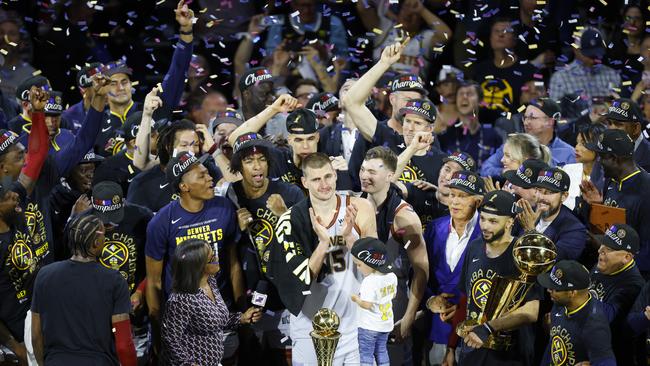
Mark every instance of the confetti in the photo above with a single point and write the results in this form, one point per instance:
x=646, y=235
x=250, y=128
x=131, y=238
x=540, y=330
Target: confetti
x=3, y=51
x=407, y=244
x=284, y=339
x=377, y=31
x=306, y=293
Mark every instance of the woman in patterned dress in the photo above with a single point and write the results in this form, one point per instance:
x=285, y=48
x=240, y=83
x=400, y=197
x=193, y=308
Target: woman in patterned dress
x=195, y=314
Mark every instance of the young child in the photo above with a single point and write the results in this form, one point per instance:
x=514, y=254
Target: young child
x=375, y=318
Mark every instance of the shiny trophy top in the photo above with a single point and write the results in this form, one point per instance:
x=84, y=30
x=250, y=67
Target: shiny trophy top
x=534, y=253
x=326, y=321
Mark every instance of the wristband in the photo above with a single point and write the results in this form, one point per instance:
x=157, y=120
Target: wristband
x=213, y=148
x=186, y=33
x=483, y=332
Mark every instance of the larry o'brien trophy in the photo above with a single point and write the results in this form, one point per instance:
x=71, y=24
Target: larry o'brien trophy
x=534, y=254
x=325, y=335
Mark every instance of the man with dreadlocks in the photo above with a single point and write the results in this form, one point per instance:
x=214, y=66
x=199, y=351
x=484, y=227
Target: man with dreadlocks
x=261, y=201
x=69, y=329
x=196, y=214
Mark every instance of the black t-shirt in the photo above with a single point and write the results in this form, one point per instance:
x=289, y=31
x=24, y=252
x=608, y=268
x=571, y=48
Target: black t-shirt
x=75, y=301
x=480, y=145
x=425, y=204
x=151, y=189
x=285, y=169
x=21, y=257
x=501, y=91
x=62, y=199
x=118, y=168
x=254, y=242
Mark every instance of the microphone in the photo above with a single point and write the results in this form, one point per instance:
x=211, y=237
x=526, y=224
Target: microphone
x=260, y=294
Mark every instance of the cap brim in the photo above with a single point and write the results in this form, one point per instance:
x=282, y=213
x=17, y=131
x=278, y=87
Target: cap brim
x=592, y=53
x=512, y=177
x=462, y=188
x=594, y=147
x=119, y=70
x=254, y=143
x=115, y=217
x=544, y=279
x=419, y=90
x=403, y=112
x=548, y=186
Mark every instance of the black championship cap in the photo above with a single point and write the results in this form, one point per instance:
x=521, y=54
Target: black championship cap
x=372, y=252
x=592, y=44
x=500, y=203
x=526, y=176
x=323, y=102
x=620, y=237
x=408, y=82
x=91, y=157
x=420, y=107
x=181, y=164
x=54, y=105
x=468, y=182
x=108, y=202
x=612, y=141
x=22, y=91
x=249, y=140
x=554, y=179
x=116, y=67
x=462, y=158
x=84, y=76
x=624, y=110
x=7, y=140
x=302, y=121
x=566, y=275
x=129, y=129
x=254, y=76
x=549, y=107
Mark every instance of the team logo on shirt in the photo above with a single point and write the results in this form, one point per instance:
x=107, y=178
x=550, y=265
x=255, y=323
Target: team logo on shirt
x=481, y=291
x=562, y=349
x=411, y=173
x=610, y=202
x=35, y=223
x=120, y=254
x=558, y=351
x=21, y=255
x=497, y=94
x=114, y=255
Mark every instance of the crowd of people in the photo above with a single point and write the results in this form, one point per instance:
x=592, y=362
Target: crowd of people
x=191, y=183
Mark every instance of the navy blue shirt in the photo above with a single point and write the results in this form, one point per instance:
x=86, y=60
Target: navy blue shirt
x=216, y=223
x=480, y=145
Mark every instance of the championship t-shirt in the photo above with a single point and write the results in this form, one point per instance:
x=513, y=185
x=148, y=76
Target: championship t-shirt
x=216, y=223
x=502, y=85
x=379, y=289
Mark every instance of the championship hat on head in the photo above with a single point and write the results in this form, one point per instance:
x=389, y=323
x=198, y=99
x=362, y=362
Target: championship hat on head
x=500, y=203
x=131, y=126
x=84, y=76
x=91, y=157
x=613, y=141
x=372, y=252
x=116, y=67
x=108, y=202
x=566, y=275
x=7, y=140
x=526, y=176
x=54, y=105
x=249, y=140
x=592, y=44
x=181, y=164
x=464, y=159
x=420, y=107
x=468, y=182
x=624, y=110
x=554, y=179
x=302, y=121
x=22, y=91
x=254, y=76
x=323, y=103
x=408, y=82
x=620, y=237
x=228, y=116
x=549, y=107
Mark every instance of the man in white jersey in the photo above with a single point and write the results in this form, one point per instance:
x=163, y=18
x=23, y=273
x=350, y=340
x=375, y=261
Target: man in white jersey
x=310, y=261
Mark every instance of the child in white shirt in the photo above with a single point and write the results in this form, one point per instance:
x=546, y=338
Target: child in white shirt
x=375, y=318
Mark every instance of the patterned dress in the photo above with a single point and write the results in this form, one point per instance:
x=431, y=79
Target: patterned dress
x=193, y=327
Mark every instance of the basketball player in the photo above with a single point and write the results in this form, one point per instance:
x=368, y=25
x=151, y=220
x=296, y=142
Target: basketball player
x=310, y=261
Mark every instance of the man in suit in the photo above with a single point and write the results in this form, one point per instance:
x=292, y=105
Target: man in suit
x=624, y=114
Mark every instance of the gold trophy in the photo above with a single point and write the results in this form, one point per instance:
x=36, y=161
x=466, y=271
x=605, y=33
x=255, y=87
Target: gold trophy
x=534, y=253
x=325, y=335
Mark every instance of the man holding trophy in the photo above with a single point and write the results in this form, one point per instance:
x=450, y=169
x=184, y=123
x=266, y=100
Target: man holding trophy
x=501, y=296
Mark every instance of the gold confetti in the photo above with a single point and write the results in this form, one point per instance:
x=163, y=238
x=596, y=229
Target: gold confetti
x=377, y=31
x=37, y=72
x=489, y=77
x=3, y=51
x=103, y=34
x=509, y=115
x=603, y=2
x=626, y=83
x=213, y=76
x=203, y=10
x=521, y=109
x=135, y=83
x=532, y=46
x=57, y=29
x=468, y=64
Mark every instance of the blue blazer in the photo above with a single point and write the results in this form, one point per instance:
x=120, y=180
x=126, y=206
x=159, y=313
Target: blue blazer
x=441, y=277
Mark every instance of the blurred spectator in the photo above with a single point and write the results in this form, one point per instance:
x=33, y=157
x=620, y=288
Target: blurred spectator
x=537, y=35
x=449, y=78
x=532, y=91
x=14, y=68
x=518, y=148
x=626, y=46
x=304, y=90
x=204, y=104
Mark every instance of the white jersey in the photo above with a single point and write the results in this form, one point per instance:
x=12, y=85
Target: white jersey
x=336, y=288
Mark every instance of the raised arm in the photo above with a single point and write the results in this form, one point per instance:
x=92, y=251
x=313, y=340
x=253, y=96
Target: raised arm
x=421, y=141
x=37, y=143
x=283, y=104
x=355, y=99
x=142, y=158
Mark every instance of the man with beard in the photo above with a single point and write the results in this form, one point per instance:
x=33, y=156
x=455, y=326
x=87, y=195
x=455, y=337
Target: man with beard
x=551, y=217
x=404, y=87
x=447, y=238
x=71, y=196
x=616, y=282
x=261, y=201
x=488, y=257
x=310, y=259
x=627, y=187
x=21, y=254
x=400, y=227
x=522, y=181
x=624, y=114
x=196, y=214
x=579, y=333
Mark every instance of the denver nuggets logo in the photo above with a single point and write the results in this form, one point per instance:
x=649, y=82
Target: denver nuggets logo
x=472, y=179
x=625, y=106
x=471, y=162
x=114, y=255
x=621, y=233
x=528, y=172
x=262, y=233
x=426, y=106
x=558, y=351
x=116, y=199
x=409, y=175
x=481, y=291
x=21, y=256
x=559, y=274
x=57, y=99
x=557, y=175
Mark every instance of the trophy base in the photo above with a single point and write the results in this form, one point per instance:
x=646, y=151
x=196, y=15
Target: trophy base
x=325, y=346
x=495, y=341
